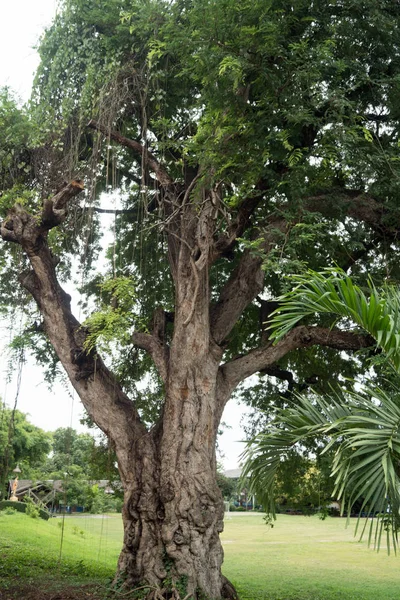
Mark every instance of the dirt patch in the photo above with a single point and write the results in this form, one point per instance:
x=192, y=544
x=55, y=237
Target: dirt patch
x=43, y=592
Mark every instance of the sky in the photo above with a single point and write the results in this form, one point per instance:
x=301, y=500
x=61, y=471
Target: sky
x=23, y=21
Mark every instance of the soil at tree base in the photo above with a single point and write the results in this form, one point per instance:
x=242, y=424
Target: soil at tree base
x=35, y=592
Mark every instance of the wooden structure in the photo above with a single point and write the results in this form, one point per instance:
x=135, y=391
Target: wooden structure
x=41, y=493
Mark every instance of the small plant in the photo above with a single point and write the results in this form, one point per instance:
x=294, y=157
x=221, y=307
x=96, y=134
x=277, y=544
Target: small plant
x=9, y=510
x=323, y=513
x=32, y=510
x=77, y=531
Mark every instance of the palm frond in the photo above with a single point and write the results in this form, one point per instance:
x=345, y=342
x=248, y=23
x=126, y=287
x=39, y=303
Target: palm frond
x=291, y=427
x=333, y=292
x=364, y=427
x=366, y=432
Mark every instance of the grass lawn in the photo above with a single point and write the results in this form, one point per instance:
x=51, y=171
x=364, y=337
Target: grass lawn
x=301, y=558
x=304, y=558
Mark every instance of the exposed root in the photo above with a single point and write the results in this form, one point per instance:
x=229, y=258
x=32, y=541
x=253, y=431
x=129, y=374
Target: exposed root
x=164, y=594
x=228, y=591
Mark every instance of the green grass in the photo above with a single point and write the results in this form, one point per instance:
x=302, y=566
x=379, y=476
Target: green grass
x=301, y=558
x=304, y=558
x=33, y=549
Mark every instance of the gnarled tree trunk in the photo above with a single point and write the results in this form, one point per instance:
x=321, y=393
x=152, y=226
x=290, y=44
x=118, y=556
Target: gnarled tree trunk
x=173, y=510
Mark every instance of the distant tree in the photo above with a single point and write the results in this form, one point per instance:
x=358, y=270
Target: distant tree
x=303, y=480
x=226, y=485
x=87, y=455
x=21, y=443
x=80, y=460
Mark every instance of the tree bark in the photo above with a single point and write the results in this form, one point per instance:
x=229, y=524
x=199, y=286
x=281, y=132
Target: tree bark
x=173, y=510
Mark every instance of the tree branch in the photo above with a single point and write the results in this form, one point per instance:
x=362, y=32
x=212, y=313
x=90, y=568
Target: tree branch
x=246, y=280
x=55, y=209
x=244, y=284
x=22, y=228
x=97, y=387
x=159, y=352
x=225, y=243
x=357, y=205
x=262, y=358
x=159, y=171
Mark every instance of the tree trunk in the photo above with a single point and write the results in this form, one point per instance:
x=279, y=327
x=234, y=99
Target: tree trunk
x=173, y=510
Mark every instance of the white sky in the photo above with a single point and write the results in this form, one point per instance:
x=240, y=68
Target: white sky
x=22, y=22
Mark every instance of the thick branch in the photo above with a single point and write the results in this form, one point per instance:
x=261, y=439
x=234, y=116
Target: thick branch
x=225, y=243
x=246, y=280
x=157, y=350
x=98, y=389
x=260, y=359
x=357, y=205
x=56, y=209
x=244, y=284
x=23, y=228
x=159, y=171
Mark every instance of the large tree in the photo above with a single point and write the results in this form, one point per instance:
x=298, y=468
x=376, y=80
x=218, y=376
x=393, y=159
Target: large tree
x=247, y=139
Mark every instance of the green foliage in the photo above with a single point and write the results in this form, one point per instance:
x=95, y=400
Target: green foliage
x=9, y=510
x=302, y=481
x=226, y=485
x=363, y=430
x=334, y=293
x=15, y=131
x=20, y=442
x=363, y=427
x=114, y=322
x=24, y=507
x=31, y=509
x=245, y=92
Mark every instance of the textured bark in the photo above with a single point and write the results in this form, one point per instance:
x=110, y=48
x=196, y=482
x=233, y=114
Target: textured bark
x=173, y=510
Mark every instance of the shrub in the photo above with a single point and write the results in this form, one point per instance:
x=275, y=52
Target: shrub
x=9, y=510
x=32, y=510
x=21, y=507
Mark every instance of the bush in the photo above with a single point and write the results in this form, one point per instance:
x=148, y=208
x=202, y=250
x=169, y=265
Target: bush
x=9, y=510
x=21, y=507
x=31, y=509
x=18, y=506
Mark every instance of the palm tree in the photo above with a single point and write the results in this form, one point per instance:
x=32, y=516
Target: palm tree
x=362, y=427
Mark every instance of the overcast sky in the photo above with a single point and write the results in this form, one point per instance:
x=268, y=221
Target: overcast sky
x=23, y=22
